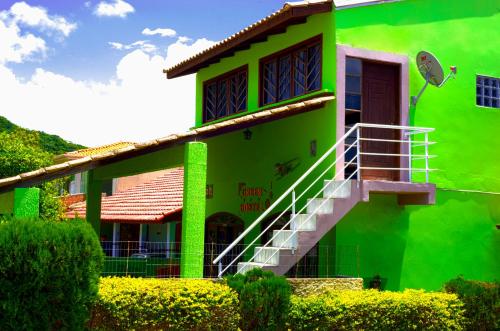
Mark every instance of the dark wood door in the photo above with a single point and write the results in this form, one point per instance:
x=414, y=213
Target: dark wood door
x=380, y=106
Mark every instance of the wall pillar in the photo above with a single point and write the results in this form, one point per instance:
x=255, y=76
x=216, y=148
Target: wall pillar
x=26, y=202
x=94, y=195
x=116, y=239
x=193, y=210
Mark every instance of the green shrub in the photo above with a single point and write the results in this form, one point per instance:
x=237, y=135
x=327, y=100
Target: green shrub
x=164, y=304
x=481, y=302
x=49, y=273
x=374, y=310
x=264, y=299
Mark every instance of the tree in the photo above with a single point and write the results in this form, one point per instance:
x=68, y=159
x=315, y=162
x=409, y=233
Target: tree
x=20, y=152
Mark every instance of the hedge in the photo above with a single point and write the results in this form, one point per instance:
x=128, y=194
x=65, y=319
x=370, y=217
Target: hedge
x=49, y=273
x=481, y=301
x=164, y=304
x=374, y=310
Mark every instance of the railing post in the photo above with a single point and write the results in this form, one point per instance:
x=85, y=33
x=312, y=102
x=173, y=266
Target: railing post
x=220, y=268
x=358, y=152
x=426, y=146
x=293, y=203
x=409, y=157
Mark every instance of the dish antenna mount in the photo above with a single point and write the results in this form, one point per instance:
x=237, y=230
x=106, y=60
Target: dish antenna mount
x=432, y=71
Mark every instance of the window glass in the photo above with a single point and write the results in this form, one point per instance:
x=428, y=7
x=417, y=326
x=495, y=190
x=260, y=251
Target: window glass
x=353, y=83
x=488, y=92
x=291, y=73
x=225, y=95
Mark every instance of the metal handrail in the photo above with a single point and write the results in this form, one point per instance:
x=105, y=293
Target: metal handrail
x=291, y=189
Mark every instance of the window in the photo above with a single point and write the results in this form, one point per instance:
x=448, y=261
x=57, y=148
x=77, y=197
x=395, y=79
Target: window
x=353, y=84
x=225, y=95
x=488, y=91
x=290, y=73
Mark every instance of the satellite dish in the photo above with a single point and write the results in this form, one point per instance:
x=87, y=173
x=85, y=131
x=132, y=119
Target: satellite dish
x=432, y=71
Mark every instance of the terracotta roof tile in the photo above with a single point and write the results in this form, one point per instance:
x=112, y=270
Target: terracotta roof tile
x=149, y=202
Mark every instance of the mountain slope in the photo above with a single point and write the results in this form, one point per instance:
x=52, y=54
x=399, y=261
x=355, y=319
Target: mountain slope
x=50, y=143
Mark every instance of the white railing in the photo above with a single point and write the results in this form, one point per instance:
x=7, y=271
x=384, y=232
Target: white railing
x=354, y=163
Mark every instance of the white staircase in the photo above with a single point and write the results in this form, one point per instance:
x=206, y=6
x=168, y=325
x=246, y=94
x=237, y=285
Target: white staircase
x=321, y=211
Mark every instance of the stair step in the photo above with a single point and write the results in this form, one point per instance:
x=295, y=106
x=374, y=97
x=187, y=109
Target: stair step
x=247, y=266
x=285, y=239
x=268, y=255
x=313, y=206
x=303, y=222
x=335, y=189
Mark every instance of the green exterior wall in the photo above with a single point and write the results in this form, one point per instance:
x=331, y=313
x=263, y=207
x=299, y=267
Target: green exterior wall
x=26, y=202
x=6, y=203
x=93, y=201
x=193, y=210
x=315, y=25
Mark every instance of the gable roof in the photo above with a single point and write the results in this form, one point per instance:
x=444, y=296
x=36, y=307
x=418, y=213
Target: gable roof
x=150, y=202
x=93, y=161
x=277, y=22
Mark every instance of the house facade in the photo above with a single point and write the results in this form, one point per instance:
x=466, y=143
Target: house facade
x=307, y=145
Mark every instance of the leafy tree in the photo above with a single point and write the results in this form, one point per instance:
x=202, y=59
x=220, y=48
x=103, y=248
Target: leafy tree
x=20, y=152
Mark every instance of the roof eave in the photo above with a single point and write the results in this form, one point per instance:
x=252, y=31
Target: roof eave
x=278, y=23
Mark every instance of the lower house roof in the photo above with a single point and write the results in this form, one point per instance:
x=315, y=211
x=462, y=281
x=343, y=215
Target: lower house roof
x=210, y=130
x=150, y=202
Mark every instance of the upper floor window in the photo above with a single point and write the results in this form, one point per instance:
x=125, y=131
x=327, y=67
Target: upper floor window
x=290, y=73
x=488, y=91
x=225, y=95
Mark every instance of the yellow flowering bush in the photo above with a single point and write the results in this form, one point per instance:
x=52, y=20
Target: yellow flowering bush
x=374, y=310
x=164, y=304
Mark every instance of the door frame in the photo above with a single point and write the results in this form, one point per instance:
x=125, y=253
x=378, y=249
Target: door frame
x=344, y=51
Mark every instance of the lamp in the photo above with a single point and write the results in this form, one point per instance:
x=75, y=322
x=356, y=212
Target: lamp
x=247, y=134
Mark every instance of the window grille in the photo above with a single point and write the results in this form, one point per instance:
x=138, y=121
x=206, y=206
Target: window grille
x=488, y=92
x=292, y=72
x=225, y=95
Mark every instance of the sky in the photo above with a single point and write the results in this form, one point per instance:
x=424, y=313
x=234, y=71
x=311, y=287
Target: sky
x=91, y=71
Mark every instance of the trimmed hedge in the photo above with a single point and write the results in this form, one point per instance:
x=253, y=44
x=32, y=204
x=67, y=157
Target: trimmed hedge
x=264, y=299
x=481, y=301
x=374, y=310
x=49, y=273
x=164, y=304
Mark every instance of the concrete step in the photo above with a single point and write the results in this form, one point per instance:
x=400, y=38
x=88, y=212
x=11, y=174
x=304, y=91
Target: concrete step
x=303, y=222
x=246, y=266
x=314, y=204
x=268, y=255
x=335, y=189
x=285, y=239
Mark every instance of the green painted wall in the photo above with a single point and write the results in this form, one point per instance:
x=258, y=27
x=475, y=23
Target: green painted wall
x=460, y=33
x=26, y=202
x=424, y=246
x=6, y=203
x=315, y=25
x=427, y=245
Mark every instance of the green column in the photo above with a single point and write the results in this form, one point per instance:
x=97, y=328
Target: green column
x=193, y=210
x=26, y=202
x=94, y=194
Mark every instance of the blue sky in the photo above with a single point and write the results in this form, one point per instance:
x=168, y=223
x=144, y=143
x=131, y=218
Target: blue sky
x=90, y=71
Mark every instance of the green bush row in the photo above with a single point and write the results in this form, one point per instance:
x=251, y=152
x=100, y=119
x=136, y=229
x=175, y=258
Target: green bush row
x=49, y=273
x=164, y=304
x=374, y=310
x=481, y=302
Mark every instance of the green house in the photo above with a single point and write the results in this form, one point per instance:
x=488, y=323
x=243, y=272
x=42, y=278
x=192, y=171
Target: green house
x=313, y=157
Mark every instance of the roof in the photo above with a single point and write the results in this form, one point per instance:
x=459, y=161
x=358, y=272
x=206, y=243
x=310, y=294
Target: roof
x=78, y=154
x=93, y=161
x=150, y=202
x=344, y=4
x=277, y=22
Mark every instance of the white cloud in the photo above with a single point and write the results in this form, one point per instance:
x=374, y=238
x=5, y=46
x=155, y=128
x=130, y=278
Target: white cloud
x=138, y=105
x=118, y=8
x=162, y=32
x=21, y=12
x=143, y=45
x=16, y=46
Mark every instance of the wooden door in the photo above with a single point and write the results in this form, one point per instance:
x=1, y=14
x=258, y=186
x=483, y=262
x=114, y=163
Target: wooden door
x=380, y=106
